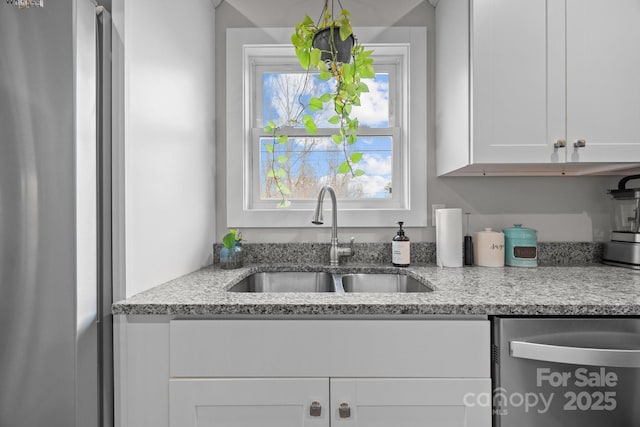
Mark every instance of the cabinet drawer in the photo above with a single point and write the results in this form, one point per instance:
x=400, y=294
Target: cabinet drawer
x=330, y=348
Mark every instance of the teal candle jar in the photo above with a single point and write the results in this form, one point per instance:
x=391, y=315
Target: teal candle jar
x=520, y=246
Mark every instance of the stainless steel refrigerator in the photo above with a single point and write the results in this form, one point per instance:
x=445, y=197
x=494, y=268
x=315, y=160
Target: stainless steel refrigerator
x=55, y=216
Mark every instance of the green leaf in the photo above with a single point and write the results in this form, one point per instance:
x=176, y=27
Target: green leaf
x=358, y=172
x=269, y=148
x=334, y=120
x=281, y=173
x=325, y=97
x=229, y=240
x=284, y=204
x=337, y=139
x=270, y=127
x=347, y=72
x=362, y=87
x=284, y=190
x=345, y=29
x=309, y=124
x=344, y=167
x=325, y=75
x=303, y=58
x=314, y=57
x=315, y=104
x=282, y=159
x=368, y=72
x=296, y=40
x=282, y=139
x=352, y=139
x=355, y=157
x=272, y=174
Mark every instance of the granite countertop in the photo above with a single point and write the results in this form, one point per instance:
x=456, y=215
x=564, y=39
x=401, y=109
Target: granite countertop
x=548, y=290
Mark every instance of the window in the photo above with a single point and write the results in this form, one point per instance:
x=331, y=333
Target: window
x=265, y=82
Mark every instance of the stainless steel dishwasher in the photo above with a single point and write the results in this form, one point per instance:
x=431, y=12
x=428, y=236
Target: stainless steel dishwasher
x=566, y=372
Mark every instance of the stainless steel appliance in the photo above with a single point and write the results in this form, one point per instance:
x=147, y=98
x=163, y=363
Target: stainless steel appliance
x=55, y=223
x=565, y=372
x=624, y=248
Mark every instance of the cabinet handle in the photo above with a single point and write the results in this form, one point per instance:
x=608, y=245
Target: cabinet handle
x=561, y=143
x=315, y=409
x=580, y=143
x=344, y=410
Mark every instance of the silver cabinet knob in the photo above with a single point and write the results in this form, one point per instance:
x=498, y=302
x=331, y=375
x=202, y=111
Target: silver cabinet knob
x=580, y=143
x=561, y=143
x=344, y=410
x=315, y=409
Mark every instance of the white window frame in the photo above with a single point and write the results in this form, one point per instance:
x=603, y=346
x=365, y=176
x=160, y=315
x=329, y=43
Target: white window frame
x=410, y=143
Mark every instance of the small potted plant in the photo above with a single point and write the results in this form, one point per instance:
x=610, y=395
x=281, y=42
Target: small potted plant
x=231, y=253
x=330, y=47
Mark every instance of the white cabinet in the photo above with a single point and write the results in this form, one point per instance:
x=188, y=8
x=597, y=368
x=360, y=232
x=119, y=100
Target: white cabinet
x=302, y=373
x=377, y=373
x=522, y=84
x=254, y=402
x=319, y=402
x=603, y=80
x=409, y=402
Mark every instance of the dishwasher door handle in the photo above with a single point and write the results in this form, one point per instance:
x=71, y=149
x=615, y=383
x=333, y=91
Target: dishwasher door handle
x=615, y=358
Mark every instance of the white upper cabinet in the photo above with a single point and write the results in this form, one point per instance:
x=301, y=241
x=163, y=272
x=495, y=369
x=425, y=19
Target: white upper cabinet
x=603, y=80
x=520, y=81
x=518, y=104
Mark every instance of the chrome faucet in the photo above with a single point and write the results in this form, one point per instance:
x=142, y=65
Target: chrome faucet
x=336, y=252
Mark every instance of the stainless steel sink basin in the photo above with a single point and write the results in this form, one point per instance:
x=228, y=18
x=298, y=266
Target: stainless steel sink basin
x=286, y=281
x=388, y=283
x=315, y=282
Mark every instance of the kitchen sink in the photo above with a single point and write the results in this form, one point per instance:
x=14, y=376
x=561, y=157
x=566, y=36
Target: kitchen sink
x=388, y=283
x=286, y=281
x=317, y=282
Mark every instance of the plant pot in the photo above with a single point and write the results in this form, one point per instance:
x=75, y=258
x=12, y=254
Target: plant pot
x=342, y=48
x=231, y=258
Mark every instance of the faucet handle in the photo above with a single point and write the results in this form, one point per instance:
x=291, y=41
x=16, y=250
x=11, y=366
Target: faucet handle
x=353, y=251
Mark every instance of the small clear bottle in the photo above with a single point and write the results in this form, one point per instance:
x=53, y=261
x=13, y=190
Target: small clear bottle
x=400, y=248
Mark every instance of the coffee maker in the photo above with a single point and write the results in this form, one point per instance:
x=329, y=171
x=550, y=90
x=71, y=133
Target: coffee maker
x=624, y=248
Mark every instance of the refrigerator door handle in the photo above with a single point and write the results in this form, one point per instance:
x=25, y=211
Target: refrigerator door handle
x=617, y=358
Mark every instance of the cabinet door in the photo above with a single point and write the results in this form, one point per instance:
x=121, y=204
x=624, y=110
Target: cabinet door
x=411, y=402
x=603, y=80
x=248, y=402
x=517, y=81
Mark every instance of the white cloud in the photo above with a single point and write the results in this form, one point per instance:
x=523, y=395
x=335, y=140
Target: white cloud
x=371, y=185
x=375, y=105
x=374, y=165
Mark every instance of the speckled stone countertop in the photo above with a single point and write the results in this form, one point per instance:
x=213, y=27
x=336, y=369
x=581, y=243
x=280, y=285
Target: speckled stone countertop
x=548, y=290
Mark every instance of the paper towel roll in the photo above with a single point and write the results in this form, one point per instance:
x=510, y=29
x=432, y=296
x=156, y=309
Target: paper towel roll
x=449, y=237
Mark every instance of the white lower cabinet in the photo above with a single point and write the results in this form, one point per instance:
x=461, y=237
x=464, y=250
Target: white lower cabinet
x=320, y=402
x=303, y=373
x=409, y=402
x=249, y=402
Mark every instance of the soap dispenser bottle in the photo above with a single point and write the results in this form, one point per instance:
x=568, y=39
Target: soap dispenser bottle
x=400, y=248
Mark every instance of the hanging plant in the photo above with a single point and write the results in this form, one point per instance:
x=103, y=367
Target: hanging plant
x=330, y=47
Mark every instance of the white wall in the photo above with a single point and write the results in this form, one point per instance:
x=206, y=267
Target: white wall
x=165, y=53
x=561, y=209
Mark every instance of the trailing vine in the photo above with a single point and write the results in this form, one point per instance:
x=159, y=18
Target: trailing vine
x=345, y=95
